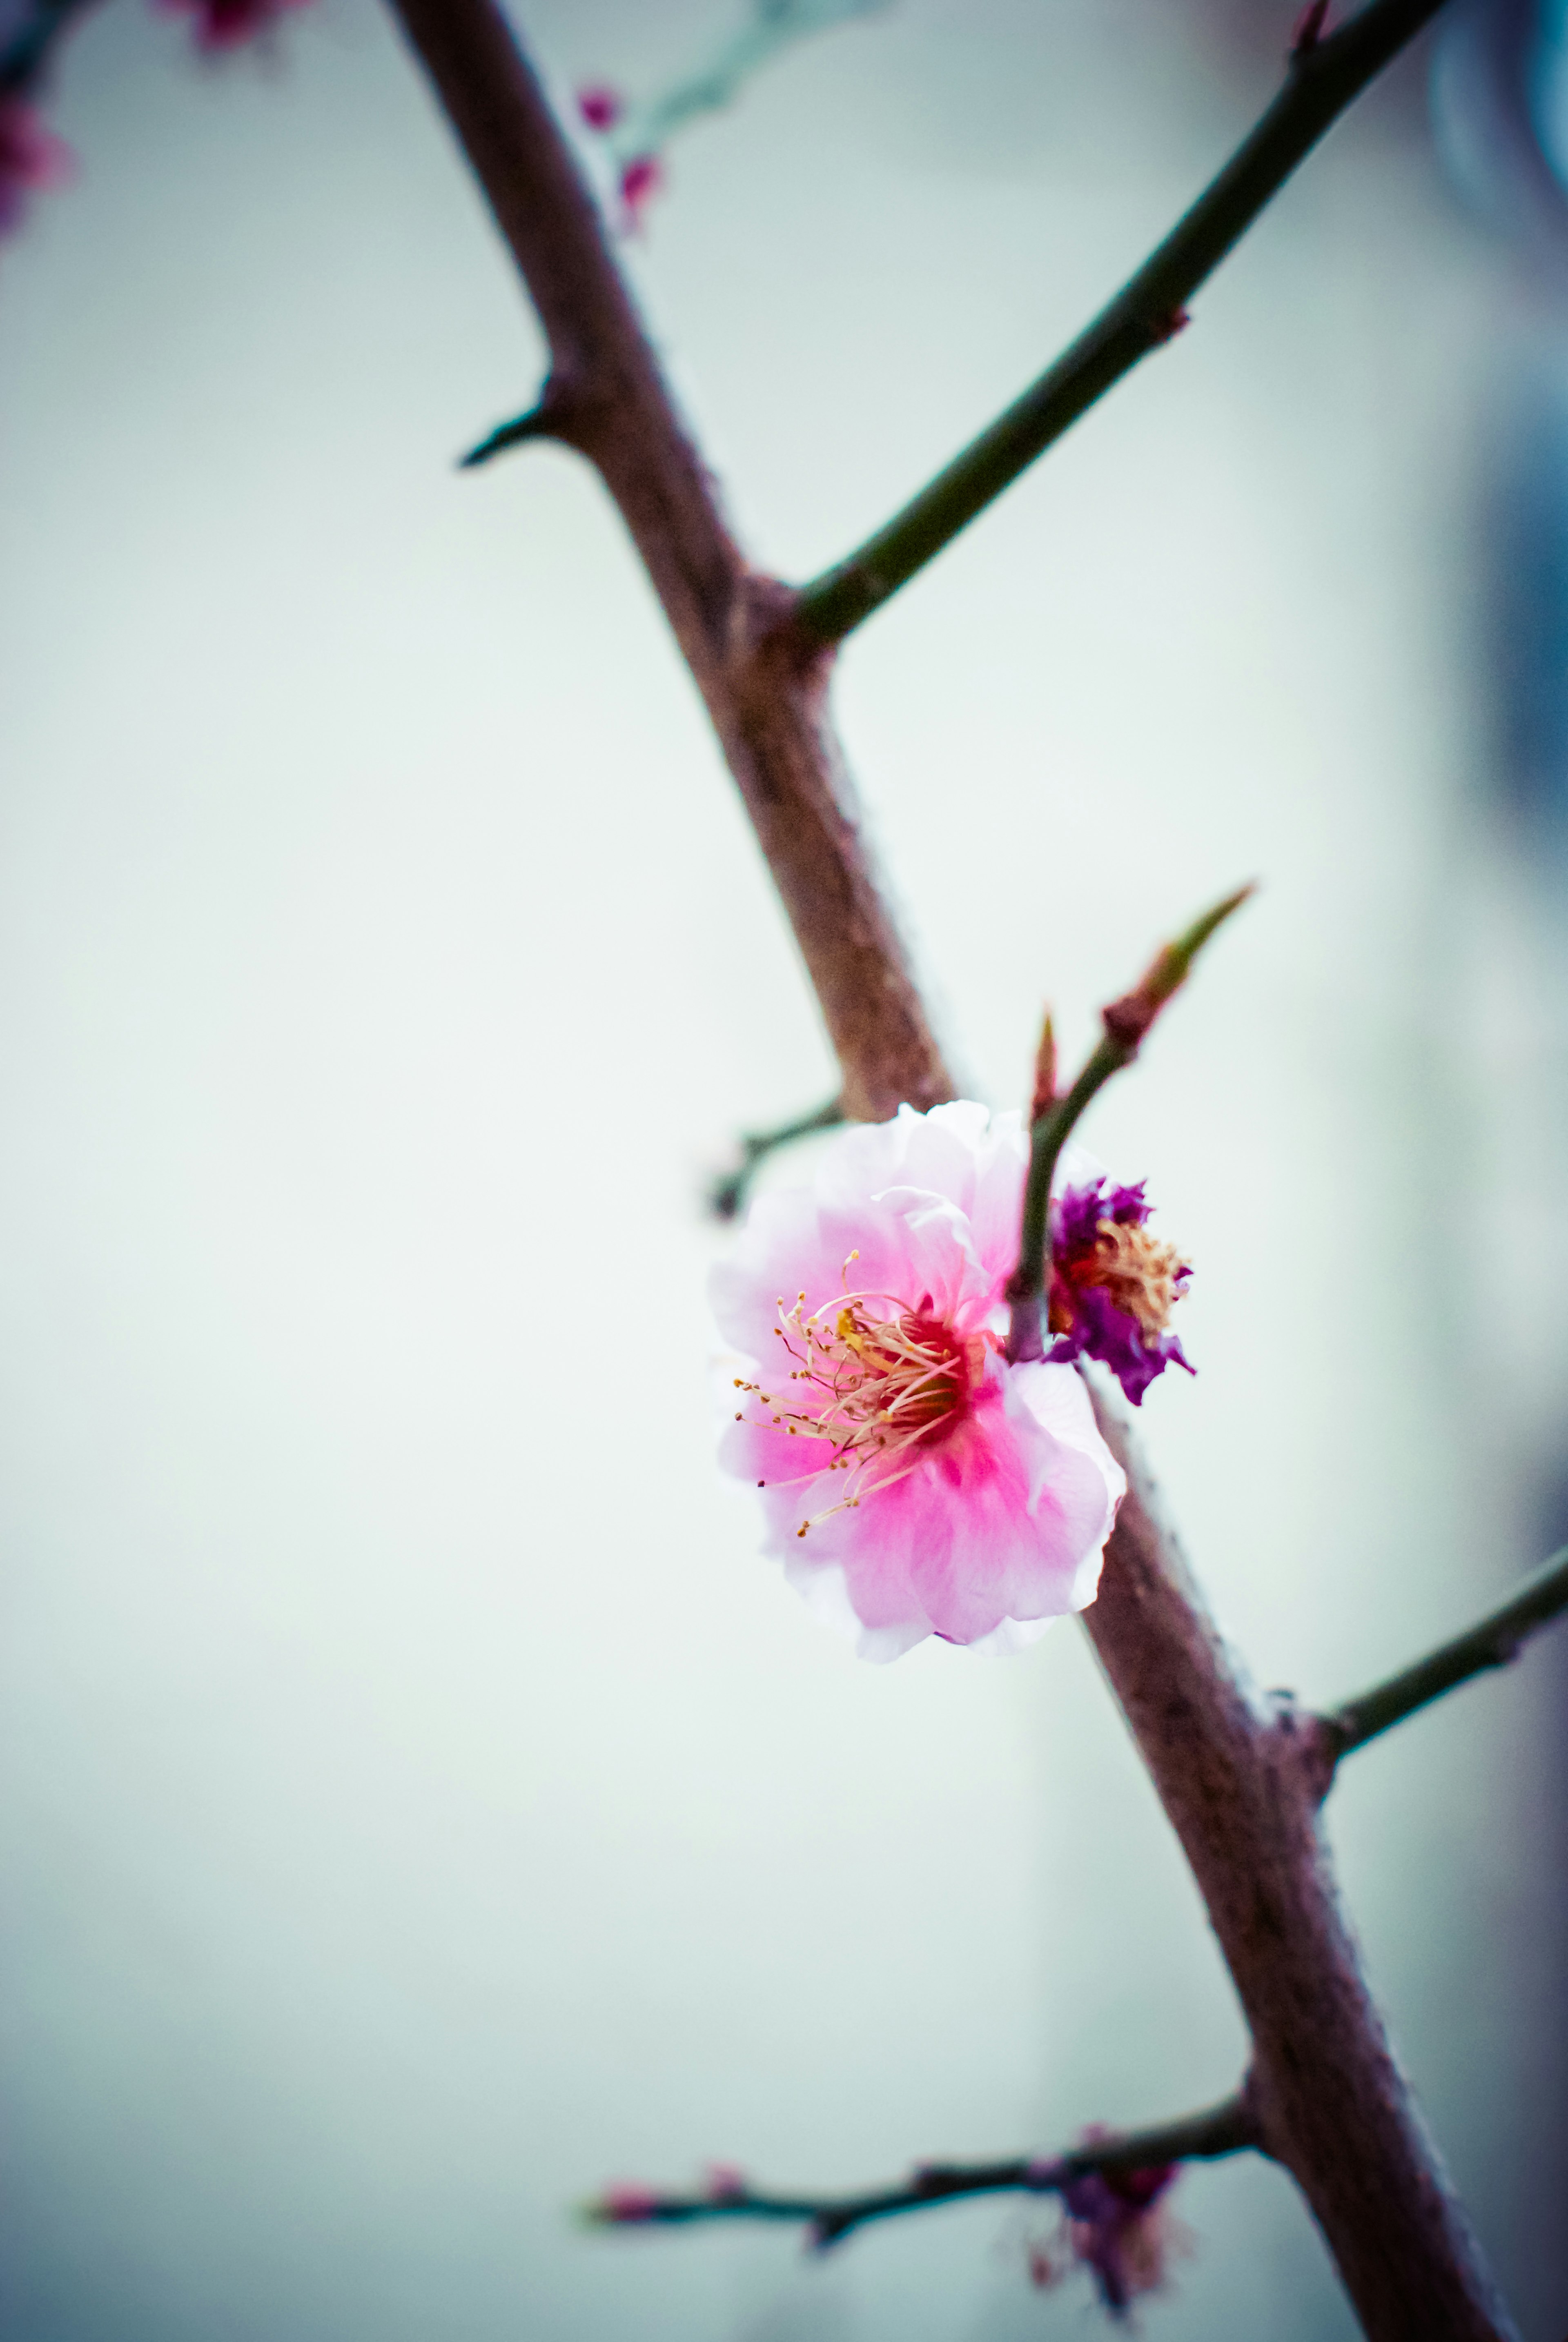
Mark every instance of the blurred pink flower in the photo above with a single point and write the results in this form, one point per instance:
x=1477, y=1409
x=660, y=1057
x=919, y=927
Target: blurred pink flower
x=31, y=159
x=1119, y=2227
x=624, y=2204
x=1117, y=2224
x=229, y=24
x=913, y=1482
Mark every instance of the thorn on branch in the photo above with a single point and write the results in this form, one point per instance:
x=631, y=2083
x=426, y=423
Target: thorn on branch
x=541, y=422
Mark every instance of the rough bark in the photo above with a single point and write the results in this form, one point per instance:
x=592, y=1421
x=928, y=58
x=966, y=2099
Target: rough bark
x=1242, y=1781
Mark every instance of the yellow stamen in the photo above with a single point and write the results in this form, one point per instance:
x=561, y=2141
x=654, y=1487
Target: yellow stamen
x=1135, y=1269
x=881, y=1380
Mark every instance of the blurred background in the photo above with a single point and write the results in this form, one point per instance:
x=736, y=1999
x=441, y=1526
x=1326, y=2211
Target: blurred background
x=419, y=1804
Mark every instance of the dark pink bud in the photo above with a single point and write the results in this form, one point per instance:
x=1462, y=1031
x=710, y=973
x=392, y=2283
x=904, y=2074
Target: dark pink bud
x=640, y=182
x=725, y=2183
x=600, y=106
x=229, y=24
x=31, y=157
x=1309, y=27
x=1043, y=2271
x=625, y=2202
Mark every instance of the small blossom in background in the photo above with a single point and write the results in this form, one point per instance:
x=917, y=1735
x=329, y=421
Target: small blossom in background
x=913, y=1483
x=636, y=134
x=1113, y=1285
x=220, y=24
x=1117, y=2226
x=32, y=159
x=624, y=2204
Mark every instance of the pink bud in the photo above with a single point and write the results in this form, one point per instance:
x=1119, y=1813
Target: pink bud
x=220, y=24
x=31, y=157
x=600, y=106
x=625, y=2202
x=640, y=182
x=725, y=2182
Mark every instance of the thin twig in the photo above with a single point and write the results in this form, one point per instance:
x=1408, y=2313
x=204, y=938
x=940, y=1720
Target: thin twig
x=727, y=1194
x=1325, y=76
x=1228, y=2128
x=26, y=57
x=1126, y=1021
x=1493, y=1641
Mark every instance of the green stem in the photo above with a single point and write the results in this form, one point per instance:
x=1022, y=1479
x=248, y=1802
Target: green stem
x=1026, y=1286
x=1323, y=79
x=1491, y=1642
x=1126, y=1021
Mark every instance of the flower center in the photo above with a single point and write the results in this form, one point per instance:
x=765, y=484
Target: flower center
x=875, y=1379
x=1140, y=1275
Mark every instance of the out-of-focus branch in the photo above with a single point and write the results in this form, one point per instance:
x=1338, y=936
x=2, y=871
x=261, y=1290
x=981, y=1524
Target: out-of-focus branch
x=606, y=395
x=727, y=1194
x=1126, y=1022
x=1325, y=76
x=25, y=57
x=1493, y=1641
x=1228, y=2128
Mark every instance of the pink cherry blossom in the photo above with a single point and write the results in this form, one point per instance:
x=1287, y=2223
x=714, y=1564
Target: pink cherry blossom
x=31, y=158
x=229, y=24
x=913, y=1483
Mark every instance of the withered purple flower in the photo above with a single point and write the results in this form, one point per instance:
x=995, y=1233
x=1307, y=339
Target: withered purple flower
x=1113, y=1285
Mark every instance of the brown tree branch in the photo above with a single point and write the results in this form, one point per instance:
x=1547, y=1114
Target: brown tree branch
x=1240, y=1782
x=1228, y=2128
x=607, y=397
